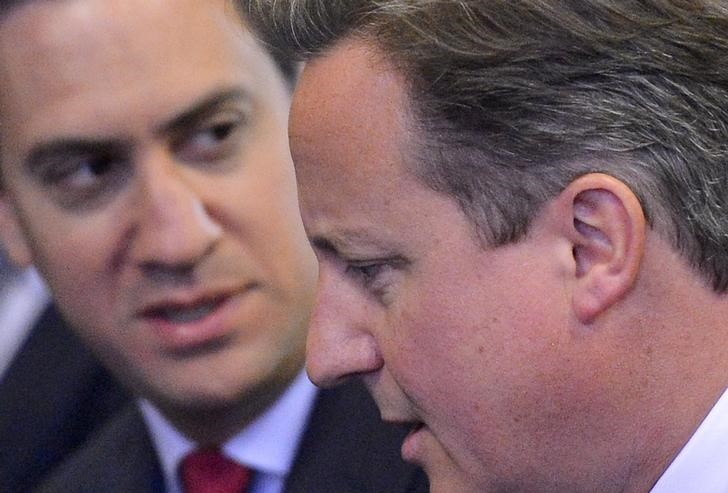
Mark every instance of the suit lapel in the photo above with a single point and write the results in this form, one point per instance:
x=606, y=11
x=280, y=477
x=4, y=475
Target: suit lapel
x=121, y=459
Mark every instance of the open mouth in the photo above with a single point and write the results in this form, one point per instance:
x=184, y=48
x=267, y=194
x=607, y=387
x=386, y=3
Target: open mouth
x=193, y=324
x=187, y=313
x=415, y=427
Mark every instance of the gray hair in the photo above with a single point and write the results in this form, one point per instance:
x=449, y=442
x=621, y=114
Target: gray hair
x=514, y=99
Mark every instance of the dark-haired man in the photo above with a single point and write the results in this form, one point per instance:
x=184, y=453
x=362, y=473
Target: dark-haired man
x=519, y=208
x=146, y=174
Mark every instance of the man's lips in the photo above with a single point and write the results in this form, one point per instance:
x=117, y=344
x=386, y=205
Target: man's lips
x=409, y=443
x=187, y=321
x=412, y=443
x=414, y=427
x=185, y=312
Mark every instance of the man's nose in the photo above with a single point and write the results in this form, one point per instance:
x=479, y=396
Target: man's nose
x=174, y=228
x=340, y=342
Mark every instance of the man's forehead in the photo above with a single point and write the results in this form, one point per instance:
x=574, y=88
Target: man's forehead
x=83, y=56
x=40, y=40
x=53, y=21
x=349, y=119
x=101, y=26
x=77, y=23
x=351, y=80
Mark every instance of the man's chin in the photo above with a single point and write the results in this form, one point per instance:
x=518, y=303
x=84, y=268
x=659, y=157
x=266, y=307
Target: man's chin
x=421, y=447
x=446, y=480
x=194, y=402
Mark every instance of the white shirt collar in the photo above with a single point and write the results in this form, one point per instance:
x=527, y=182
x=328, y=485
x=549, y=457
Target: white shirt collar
x=702, y=463
x=21, y=304
x=268, y=444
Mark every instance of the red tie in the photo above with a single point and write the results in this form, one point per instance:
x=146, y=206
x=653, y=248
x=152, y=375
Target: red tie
x=208, y=471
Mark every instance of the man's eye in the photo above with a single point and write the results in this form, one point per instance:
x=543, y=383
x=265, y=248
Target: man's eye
x=366, y=273
x=374, y=277
x=80, y=181
x=76, y=171
x=214, y=141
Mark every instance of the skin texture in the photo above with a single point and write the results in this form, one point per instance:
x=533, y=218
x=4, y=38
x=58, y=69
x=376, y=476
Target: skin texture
x=507, y=357
x=147, y=173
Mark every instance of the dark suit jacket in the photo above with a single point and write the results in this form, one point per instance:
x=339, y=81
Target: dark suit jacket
x=53, y=396
x=345, y=449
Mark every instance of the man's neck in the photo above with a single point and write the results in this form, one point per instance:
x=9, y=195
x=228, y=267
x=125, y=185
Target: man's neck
x=213, y=425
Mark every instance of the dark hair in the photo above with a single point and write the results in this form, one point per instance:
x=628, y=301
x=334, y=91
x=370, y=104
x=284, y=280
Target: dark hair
x=513, y=99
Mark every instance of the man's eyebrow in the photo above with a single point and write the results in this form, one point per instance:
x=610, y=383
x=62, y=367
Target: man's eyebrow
x=61, y=146
x=348, y=241
x=74, y=145
x=202, y=108
x=323, y=244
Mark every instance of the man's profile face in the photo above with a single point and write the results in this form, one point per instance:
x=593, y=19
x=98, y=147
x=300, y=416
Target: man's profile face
x=461, y=340
x=147, y=175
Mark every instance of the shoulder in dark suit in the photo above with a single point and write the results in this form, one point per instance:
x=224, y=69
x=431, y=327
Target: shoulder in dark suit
x=120, y=459
x=53, y=397
x=345, y=449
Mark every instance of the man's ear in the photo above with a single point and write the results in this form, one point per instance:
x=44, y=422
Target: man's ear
x=605, y=224
x=11, y=233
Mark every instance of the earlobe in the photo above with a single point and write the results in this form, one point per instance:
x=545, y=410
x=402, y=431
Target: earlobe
x=11, y=233
x=607, y=230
